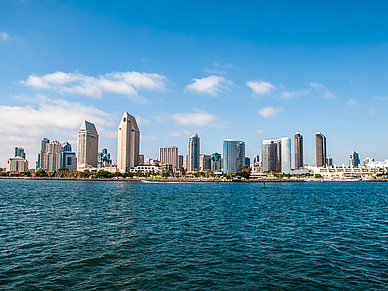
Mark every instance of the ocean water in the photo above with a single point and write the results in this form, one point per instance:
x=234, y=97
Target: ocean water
x=85, y=235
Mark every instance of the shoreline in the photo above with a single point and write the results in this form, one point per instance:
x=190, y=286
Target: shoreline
x=178, y=180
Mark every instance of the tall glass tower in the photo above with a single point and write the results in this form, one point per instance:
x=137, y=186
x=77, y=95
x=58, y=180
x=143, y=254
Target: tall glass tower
x=234, y=155
x=298, y=148
x=320, y=149
x=193, y=152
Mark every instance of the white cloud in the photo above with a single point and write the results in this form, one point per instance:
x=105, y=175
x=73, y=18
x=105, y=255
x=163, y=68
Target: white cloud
x=123, y=83
x=260, y=87
x=211, y=85
x=259, y=131
x=269, y=111
x=141, y=121
x=372, y=111
x=174, y=134
x=380, y=98
x=187, y=132
x=327, y=94
x=351, y=102
x=198, y=118
x=4, y=35
x=58, y=119
x=293, y=94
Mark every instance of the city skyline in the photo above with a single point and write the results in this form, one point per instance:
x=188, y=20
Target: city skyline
x=231, y=75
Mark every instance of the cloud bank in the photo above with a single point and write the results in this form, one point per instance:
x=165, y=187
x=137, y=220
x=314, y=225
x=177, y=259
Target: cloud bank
x=123, y=83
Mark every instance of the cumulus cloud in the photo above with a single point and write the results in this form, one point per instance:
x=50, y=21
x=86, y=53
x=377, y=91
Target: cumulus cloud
x=260, y=87
x=4, y=35
x=211, y=85
x=58, y=119
x=123, y=83
x=293, y=94
x=141, y=121
x=326, y=93
x=268, y=112
x=198, y=118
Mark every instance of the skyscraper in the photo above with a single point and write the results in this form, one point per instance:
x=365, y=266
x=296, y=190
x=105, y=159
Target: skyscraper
x=205, y=162
x=104, y=159
x=320, y=149
x=270, y=156
x=43, y=144
x=52, y=156
x=19, y=152
x=128, y=146
x=298, y=149
x=285, y=159
x=256, y=159
x=354, y=160
x=193, y=152
x=276, y=155
x=216, y=162
x=247, y=161
x=169, y=155
x=180, y=161
x=234, y=155
x=87, y=150
x=68, y=158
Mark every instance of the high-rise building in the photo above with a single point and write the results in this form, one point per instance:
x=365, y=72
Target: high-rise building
x=169, y=155
x=193, y=152
x=17, y=164
x=276, y=155
x=320, y=149
x=247, y=161
x=285, y=150
x=234, y=155
x=216, y=163
x=354, y=160
x=104, y=159
x=87, y=150
x=52, y=156
x=205, y=162
x=128, y=146
x=141, y=159
x=270, y=156
x=256, y=159
x=180, y=161
x=19, y=152
x=329, y=161
x=298, y=149
x=68, y=158
x=43, y=144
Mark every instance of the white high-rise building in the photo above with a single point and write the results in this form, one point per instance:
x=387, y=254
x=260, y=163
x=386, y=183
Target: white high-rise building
x=128, y=145
x=17, y=164
x=234, y=156
x=52, y=156
x=169, y=155
x=276, y=155
x=193, y=152
x=87, y=150
x=285, y=151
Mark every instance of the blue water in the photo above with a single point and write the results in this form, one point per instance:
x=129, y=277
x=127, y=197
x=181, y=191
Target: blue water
x=75, y=235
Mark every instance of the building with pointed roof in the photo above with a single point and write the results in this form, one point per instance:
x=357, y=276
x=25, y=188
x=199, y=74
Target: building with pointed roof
x=87, y=150
x=128, y=144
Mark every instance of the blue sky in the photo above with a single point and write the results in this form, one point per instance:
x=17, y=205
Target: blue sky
x=252, y=71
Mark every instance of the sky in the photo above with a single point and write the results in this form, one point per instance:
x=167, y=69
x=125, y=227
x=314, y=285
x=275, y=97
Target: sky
x=250, y=70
